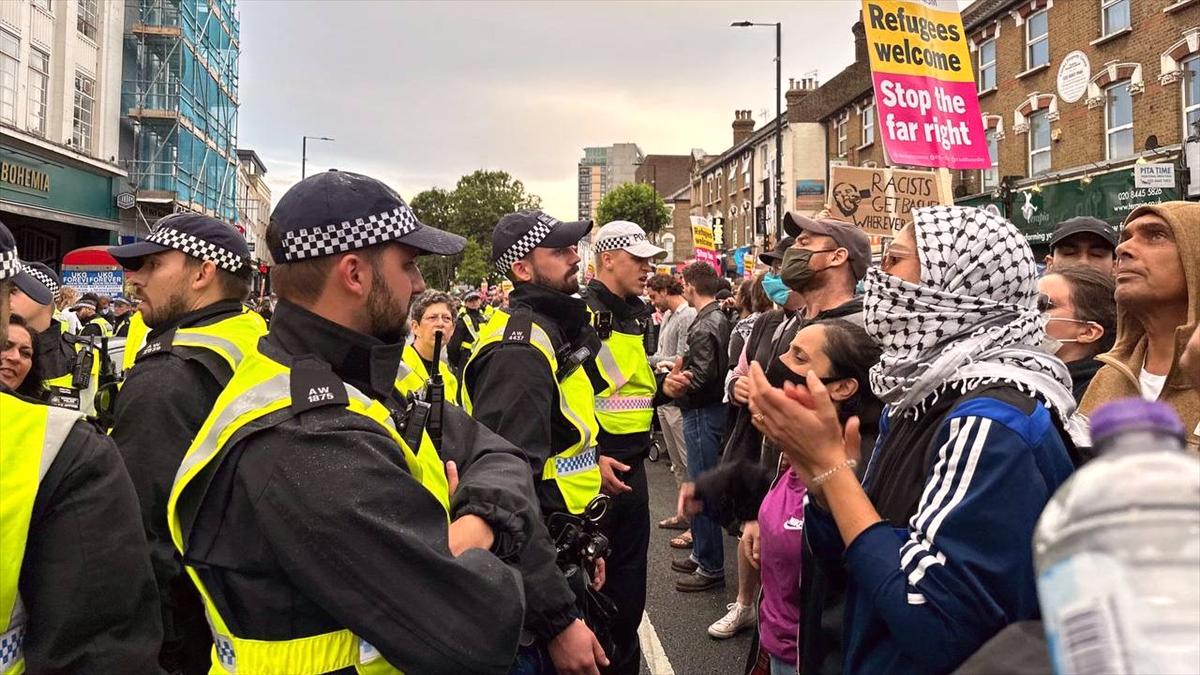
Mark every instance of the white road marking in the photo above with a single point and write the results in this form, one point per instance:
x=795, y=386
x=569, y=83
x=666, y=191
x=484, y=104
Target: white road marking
x=652, y=648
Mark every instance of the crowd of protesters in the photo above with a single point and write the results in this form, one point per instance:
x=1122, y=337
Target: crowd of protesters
x=879, y=430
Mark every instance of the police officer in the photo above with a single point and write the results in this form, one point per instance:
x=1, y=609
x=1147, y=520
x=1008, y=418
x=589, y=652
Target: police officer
x=192, y=274
x=301, y=492
x=76, y=589
x=90, y=320
x=471, y=317
x=525, y=381
x=625, y=412
x=70, y=365
x=122, y=313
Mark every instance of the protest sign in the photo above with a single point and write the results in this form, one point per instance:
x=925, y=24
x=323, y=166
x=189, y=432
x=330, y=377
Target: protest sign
x=924, y=84
x=880, y=201
x=704, y=244
x=100, y=281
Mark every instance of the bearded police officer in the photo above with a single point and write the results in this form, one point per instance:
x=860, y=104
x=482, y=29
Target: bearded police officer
x=192, y=274
x=525, y=381
x=625, y=412
x=76, y=589
x=312, y=511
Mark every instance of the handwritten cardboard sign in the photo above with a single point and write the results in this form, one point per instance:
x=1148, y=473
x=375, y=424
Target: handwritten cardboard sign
x=880, y=201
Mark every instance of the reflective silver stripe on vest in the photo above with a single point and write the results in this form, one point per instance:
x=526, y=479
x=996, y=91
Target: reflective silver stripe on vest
x=257, y=397
x=59, y=423
x=623, y=403
x=217, y=343
x=403, y=371
x=582, y=462
x=612, y=372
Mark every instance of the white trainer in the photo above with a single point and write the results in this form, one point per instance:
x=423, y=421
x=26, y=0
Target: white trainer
x=737, y=618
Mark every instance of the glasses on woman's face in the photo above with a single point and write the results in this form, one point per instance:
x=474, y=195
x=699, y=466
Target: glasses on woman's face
x=1044, y=303
x=893, y=255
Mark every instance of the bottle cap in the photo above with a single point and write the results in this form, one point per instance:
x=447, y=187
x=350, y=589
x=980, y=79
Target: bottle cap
x=1134, y=414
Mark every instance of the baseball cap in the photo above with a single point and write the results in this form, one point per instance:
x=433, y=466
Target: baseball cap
x=121, y=300
x=626, y=236
x=519, y=233
x=9, y=264
x=39, y=282
x=339, y=211
x=847, y=236
x=472, y=295
x=775, y=255
x=1077, y=225
x=89, y=300
x=196, y=235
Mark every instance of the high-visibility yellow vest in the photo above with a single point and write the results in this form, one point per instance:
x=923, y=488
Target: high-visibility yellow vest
x=230, y=338
x=626, y=404
x=488, y=311
x=574, y=469
x=259, y=387
x=135, y=339
x=106, y=329
x=412, y=375
x=63, y=394
x=33, y=434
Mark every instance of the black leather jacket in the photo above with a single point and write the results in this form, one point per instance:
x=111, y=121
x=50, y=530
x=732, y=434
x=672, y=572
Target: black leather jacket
x=708, y=358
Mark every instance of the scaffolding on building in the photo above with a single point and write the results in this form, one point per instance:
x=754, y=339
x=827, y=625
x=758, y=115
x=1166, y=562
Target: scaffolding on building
x=179, y=101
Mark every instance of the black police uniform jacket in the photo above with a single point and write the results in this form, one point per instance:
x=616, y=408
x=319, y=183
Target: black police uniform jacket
x=86, y=581
x=315, y=524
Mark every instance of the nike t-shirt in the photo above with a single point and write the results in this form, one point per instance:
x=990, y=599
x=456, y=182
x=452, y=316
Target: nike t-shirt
x=781, y=526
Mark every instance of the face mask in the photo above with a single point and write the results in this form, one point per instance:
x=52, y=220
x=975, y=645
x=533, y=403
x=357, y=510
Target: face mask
x=777, y=373
x=797, y=271
x=776, y=290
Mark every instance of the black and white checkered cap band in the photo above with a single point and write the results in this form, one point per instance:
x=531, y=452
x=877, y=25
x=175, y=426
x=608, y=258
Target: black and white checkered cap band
x=198, y=248
x=9, y=265
x=615, y=243
x=43, y=278
x=527, y=242
x=314, y=242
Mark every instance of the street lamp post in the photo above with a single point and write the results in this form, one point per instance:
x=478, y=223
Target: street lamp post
x=304, y=152
x=778, y=120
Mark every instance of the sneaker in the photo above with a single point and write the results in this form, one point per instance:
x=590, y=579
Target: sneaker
x=696, y=582
x=685, y=566
x=737, y=618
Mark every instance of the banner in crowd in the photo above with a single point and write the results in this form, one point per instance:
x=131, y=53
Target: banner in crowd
x=704, y=243
x=880, y=201
x=100, y=282
x=925, y=93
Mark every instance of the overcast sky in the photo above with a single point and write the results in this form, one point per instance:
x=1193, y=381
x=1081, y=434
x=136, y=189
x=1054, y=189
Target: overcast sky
x=419, y=94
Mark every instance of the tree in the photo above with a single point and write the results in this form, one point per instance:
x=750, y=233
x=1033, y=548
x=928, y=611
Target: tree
x=435, y=208
x=637, y=203
x=474, y=267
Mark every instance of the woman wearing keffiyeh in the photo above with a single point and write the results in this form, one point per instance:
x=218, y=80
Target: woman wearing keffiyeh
x=936, y=541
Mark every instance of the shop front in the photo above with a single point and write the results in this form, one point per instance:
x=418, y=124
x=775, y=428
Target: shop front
x=53, y=203
x=1036, y=209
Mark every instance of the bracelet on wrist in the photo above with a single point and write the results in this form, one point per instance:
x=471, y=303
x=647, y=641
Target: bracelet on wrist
x=820, y=478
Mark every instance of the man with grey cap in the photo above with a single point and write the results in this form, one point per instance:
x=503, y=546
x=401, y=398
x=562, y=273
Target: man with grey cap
x=625, y=412
x=192, y=273
x=525, y=380
x=76, y=590
x=314, y=486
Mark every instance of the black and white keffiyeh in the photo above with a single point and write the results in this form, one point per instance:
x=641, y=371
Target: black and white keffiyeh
x=972, y=320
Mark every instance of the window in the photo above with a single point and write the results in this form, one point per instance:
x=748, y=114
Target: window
x=839, y=127
x=1114, y=15
x=85, y=101
x=9, y=51
x=986, y=75
x=85, y=21
x=989, y=178
x=1118, y=121
x=39, y=78
x=1191, y=97
x=44, y=4
x=868, y=124
x=1037, y=40
x=1039, y=143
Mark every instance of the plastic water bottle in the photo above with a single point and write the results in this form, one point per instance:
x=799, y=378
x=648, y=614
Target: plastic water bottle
x=1117, y=550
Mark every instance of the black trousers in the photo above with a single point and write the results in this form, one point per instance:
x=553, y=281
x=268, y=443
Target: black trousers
x=627, y=526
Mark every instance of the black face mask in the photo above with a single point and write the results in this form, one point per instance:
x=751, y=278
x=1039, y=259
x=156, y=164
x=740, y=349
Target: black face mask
x=778, y=373
x=797, y=272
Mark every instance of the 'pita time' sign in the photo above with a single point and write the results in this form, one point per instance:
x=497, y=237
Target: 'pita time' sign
x=924, y=84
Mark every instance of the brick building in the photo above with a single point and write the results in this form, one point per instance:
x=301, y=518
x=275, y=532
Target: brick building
x=1074, y=94
x=665, y=173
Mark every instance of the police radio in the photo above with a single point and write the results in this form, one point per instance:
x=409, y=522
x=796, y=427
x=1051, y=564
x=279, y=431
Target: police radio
x=435, y=394
x=81, y=376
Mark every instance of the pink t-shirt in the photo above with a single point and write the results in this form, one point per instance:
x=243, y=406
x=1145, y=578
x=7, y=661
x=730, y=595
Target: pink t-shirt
x=781, y=527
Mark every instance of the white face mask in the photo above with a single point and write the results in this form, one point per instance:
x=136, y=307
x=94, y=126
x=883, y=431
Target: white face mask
x=1053, y=345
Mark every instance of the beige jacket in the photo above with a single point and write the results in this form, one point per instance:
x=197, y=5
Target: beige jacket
x=1119, y=376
